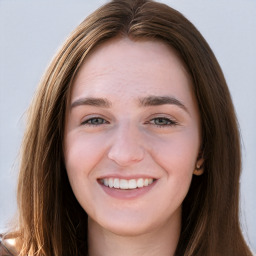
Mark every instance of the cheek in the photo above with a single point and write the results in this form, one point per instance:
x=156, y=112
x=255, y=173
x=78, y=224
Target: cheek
x=177, y=154
x=82, y=153
x=177, y=157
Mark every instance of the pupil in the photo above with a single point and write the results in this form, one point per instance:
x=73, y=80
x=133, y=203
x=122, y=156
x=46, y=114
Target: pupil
x=97, y=121
x=161, y=121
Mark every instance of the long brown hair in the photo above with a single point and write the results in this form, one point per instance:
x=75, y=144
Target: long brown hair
x=51, y=221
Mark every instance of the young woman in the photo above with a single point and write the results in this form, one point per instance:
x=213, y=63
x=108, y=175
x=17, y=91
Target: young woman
x=132, y=145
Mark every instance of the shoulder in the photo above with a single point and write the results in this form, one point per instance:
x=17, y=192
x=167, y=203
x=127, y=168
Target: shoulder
x=8, y=246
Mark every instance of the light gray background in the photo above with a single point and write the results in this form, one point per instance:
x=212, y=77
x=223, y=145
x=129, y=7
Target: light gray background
x=31, y=32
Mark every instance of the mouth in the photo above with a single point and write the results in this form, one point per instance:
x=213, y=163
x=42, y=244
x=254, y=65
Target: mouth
x=126, y=184
x=127, y=188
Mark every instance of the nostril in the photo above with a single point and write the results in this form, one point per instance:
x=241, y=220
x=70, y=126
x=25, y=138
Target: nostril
x=126, y=155
x=126, y=147
x=123, y=158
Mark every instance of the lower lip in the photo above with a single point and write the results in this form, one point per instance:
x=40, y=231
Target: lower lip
x=127, y=193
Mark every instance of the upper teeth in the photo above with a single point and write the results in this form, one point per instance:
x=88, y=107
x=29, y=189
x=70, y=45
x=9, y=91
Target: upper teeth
x=126, y=184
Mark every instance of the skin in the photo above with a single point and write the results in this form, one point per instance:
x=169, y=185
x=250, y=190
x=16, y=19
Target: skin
x=131, y=137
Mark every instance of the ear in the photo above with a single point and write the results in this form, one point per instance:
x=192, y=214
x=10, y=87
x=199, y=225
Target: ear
x=199, y=169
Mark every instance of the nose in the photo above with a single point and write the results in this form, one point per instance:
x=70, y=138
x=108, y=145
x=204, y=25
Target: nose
x=126, y=148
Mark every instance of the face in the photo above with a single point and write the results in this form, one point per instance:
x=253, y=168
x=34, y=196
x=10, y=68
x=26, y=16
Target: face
x=132, y=136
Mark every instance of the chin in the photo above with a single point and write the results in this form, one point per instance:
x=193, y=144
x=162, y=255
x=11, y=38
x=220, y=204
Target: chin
x=129, y=229
x=129, y=224
x=124, y=220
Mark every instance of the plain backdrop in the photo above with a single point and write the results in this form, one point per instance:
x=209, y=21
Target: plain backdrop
x=31, y=32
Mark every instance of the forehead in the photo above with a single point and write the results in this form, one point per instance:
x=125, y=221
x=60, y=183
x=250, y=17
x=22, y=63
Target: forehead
x=122, y=65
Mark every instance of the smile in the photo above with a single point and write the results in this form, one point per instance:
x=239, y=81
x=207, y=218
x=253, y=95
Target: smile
x=125, y=183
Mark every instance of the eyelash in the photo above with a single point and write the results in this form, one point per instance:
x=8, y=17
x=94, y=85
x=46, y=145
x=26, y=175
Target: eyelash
x=168, y=122
x=90, y=120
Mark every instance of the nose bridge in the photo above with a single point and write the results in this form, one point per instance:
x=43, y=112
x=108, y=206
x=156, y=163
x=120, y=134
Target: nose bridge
x=127, y=145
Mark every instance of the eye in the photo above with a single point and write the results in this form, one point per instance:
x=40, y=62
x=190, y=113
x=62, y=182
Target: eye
x=95, y=121
x=162, y=121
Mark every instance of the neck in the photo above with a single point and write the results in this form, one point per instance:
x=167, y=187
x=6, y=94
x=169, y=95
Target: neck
x=162, y=241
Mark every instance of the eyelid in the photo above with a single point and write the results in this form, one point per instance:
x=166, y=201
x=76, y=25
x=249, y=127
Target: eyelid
x=91, y=117
x=173, y=121
x=169, y=121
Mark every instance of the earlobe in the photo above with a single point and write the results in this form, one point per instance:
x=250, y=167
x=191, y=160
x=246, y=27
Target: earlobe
x=199, y=169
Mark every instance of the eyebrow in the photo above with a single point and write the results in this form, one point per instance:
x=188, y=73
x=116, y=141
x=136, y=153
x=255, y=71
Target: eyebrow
x=143, y=102
x=161, y=100
x=97, y=102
